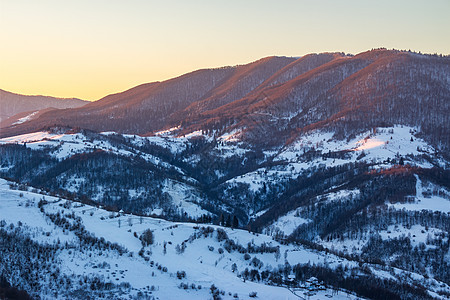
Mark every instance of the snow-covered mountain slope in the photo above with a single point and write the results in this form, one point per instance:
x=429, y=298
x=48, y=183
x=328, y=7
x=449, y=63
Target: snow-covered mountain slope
x=373, y=205
x=65, y=145
x=428, y=198
x=201, y=158
x=379, y=144
x=185, y=248
x=382, y=148
x=70, y=146
x=103, y=253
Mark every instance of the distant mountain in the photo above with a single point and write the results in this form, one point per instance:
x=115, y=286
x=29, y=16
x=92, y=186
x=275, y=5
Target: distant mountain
x=346, y=95
x=150, y=107
x=279, y=97
x=12, y=104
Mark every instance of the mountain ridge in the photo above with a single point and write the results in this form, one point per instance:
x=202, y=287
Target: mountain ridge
x=14, y=103
x=372, y=88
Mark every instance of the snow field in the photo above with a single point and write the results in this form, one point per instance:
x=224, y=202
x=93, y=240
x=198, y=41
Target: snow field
x=202, y=266
x=201, y=259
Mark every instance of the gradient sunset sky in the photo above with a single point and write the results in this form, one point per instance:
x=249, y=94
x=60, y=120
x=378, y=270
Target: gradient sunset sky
x=91, y=48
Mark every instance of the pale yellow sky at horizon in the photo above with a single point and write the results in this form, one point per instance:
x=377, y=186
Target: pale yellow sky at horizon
x=89, y=49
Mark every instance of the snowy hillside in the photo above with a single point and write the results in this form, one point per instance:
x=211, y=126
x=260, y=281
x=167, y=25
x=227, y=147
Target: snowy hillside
x=382, y=148
x=100, y=252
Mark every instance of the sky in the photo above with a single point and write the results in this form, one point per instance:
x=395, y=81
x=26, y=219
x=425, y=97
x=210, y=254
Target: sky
x=91, y=48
